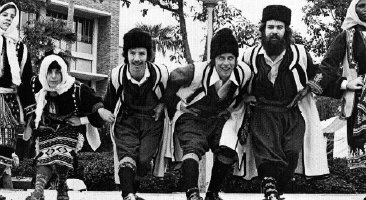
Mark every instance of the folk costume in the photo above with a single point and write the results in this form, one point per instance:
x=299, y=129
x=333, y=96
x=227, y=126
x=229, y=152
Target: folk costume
x=135, y=133
x=57, y=142
x=348, y=49
x=15, y=75
x=278, y=132
x=219, y=114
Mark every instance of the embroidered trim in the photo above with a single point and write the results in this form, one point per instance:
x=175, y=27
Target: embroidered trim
x=30, y=109
x=315, y=87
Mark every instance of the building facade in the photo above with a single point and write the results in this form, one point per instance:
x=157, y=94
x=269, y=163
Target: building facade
x=96, y=51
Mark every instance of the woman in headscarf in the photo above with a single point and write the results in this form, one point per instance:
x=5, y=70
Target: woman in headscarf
x=349, y=49
x=15, y=75
x=63, y=107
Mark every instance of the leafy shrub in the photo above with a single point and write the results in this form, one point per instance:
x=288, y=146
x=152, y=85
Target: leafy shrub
x=327, y=107
x=341, y=180
x=96, y=170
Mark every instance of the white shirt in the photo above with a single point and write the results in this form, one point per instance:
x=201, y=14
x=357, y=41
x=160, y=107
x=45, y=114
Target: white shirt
x=144, y=78
x=215, y=77
x=274, y=64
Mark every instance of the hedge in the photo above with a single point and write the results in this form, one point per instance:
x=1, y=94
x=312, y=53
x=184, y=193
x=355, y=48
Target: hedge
x=96, y=170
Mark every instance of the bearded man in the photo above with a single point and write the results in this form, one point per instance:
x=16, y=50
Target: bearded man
x=282, y=72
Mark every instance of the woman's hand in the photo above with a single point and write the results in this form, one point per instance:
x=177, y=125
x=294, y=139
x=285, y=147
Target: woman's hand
x=355, y=84
x=73, y=121
x=106, y=115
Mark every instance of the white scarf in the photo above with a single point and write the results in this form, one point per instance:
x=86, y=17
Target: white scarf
x=66, y=83
x=12, y=37
x=352, y=18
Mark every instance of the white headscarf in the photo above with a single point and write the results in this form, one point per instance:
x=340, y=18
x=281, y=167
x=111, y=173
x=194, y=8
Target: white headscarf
x=65, y=85
x=12, y=37
x=352, y=18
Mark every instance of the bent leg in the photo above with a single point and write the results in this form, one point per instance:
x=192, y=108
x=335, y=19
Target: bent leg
x=42, y=177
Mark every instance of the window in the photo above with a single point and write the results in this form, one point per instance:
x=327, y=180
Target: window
x=83, y=27
x=56, y=15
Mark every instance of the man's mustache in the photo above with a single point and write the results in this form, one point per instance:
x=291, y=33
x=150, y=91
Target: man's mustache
x=275, y=36
x=137, y=63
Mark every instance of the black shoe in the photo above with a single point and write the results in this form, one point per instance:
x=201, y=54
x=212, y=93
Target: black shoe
x=212, y=196
x=35, y=196
x=193, y=194
x=139, y=198
x=2, y=197
x=132, y=196
x=269, y=188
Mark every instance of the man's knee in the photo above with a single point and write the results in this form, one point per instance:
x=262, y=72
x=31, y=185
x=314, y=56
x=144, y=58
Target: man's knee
x=193, y=156
x=226, y=155
x=127, y=162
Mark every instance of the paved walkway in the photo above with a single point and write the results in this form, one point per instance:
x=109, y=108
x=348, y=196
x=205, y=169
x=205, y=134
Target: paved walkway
x=100, y=195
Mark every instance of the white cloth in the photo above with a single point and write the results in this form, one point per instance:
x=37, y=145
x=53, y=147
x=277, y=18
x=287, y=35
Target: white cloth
x=12, y=37
x=352, y=18
x=314, y=160
x=92, y=135
x=338, y=127
x=143, y=79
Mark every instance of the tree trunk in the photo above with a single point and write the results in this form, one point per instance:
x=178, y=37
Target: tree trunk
x=183, y=29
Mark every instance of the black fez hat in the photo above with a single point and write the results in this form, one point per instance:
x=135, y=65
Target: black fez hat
x=137, y=38
x=277, y=12
x=224, y=42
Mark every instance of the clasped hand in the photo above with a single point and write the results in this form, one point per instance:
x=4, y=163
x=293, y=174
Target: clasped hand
x=106, y=115
x=355, y=84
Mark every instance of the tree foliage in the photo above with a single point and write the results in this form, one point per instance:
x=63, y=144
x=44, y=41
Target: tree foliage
x=246, y=32
x=165, y=38
x=161, y=36
x=176, y=7
x=26, y=5
x=228, y=16
x=323, y=19
x=39, y=36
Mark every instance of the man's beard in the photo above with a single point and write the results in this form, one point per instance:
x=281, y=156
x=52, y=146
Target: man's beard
x=274, y=47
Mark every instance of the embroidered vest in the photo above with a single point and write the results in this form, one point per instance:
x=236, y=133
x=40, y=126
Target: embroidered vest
x=161, y=72
x=201, y=81
x=298, y=64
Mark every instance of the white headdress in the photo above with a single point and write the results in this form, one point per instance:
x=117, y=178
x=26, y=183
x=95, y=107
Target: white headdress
x=12, y=37
x=352, y=18
x=65, y=85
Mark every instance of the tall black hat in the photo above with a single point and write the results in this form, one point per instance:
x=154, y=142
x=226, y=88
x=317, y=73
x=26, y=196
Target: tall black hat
x=277, y=12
